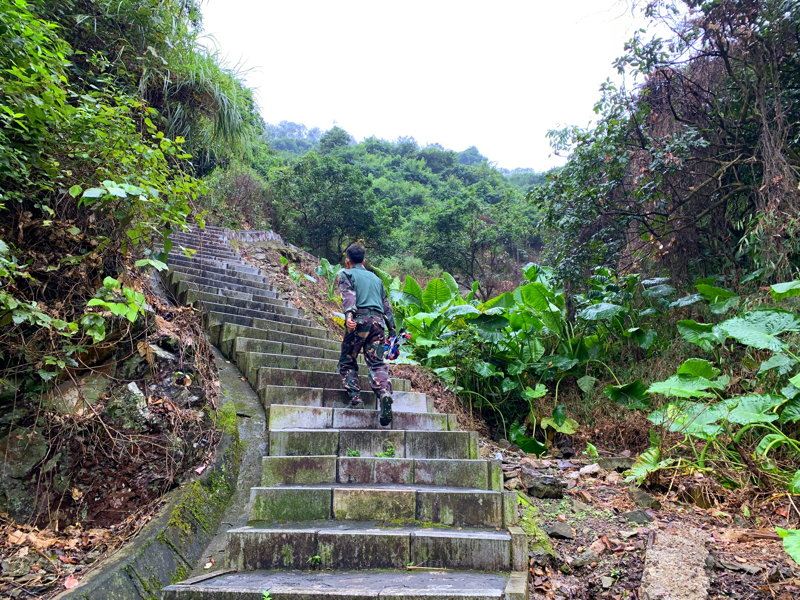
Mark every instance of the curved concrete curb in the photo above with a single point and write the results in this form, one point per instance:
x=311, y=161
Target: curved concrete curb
x=170, y=547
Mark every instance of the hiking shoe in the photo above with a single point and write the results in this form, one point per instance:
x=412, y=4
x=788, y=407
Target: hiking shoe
x=386, y=410
x=356, y=402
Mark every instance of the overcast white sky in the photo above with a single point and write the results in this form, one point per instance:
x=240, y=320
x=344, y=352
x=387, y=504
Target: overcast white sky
x=494, y=74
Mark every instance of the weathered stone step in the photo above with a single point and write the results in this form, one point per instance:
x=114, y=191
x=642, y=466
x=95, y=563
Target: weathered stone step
x=255, y=281
x=249, y=362
x=265, y=312
x=248, y=344
x=479, y=473
x=285, y=416
x=184, y=287
x=366, y=545
x=353, y=585
x=204, y=247
x=232, y=330
x=369, y=442
x=396, y=503
x=269, y=376
x=235, y=299
x=175, y=276
x=306, y=396
x=207, y=262
x=216, y=324
x=212, y=269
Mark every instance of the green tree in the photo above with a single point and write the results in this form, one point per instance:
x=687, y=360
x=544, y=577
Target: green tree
x=324, y=205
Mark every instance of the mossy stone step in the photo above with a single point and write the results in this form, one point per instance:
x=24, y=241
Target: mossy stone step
x=252, y=281
x=232, y=330
x=248, y=344
x=321, y=379
x=239, y=299
x=222, y=275
x=287, y=416
x=227, y=282
x=368, y=442
x=337, y=398
x=459, y=507
x=365, y=545
x=353, y=585
x=467, y=473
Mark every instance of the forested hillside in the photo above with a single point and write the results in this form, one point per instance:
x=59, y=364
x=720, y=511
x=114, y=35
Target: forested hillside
x=642, y=297
x=419, y=210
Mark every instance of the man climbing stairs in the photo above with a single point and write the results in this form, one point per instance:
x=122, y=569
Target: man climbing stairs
x=346, y=508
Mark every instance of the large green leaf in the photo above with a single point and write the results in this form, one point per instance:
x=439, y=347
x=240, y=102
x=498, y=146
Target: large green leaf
x=516, y=434
x=759, y=328
x=780, y=362
x=753, y=408
x=700, y=334
x=791, y=412
x=568, y=427
x=412, y=288
x=698, y=367
x=690, y=418
x=599, y=311
x=646, y=463
x=461, y=310
x=713, y=293
x=452, y=285
x=633, y=395
x=687, y=386
x=504, y=300
x=436, y=293
x=686, y=301
x=789, y=289
x=404, y=298
x=791, y=542
x=794, y=483
x=723, y=306
x=659, y=291
x=586, y=383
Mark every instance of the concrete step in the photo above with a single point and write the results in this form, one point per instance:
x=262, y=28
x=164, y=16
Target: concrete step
x=249, y=362
x=255, y=310
x=184, y=287
x=369, y=442
x=479, y=473
x=232, y=330
x=247, y=344
x=307, y=396
x=394, y=503
x=285, y=416
x=213, y=266
x=255, y=281
x=237, y=264
x=319, y=379
x=353, y=585
x=205, y=266
x=229, y=283
x=367, y=545
x=235, y=299
x=217, y=324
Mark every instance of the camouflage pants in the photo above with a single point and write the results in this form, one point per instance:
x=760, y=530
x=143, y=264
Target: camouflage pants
x=369, y=337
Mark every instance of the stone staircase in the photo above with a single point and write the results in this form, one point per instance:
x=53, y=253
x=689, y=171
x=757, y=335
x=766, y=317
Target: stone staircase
x=346, y=508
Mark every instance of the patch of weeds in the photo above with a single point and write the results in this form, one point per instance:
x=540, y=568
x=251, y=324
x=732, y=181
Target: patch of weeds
x=314, y=561
x=353, y=453
x=538, y=540
x=388, y=450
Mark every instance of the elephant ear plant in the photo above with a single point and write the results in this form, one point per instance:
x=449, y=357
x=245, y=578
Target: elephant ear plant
x=738, y=438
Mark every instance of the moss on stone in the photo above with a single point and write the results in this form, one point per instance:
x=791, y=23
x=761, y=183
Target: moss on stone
x=538, y=540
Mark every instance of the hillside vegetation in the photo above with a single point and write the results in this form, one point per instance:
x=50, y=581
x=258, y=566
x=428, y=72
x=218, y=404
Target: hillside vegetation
x=649, y=285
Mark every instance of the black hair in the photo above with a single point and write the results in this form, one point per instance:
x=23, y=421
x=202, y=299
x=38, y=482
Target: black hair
x=355, y=252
